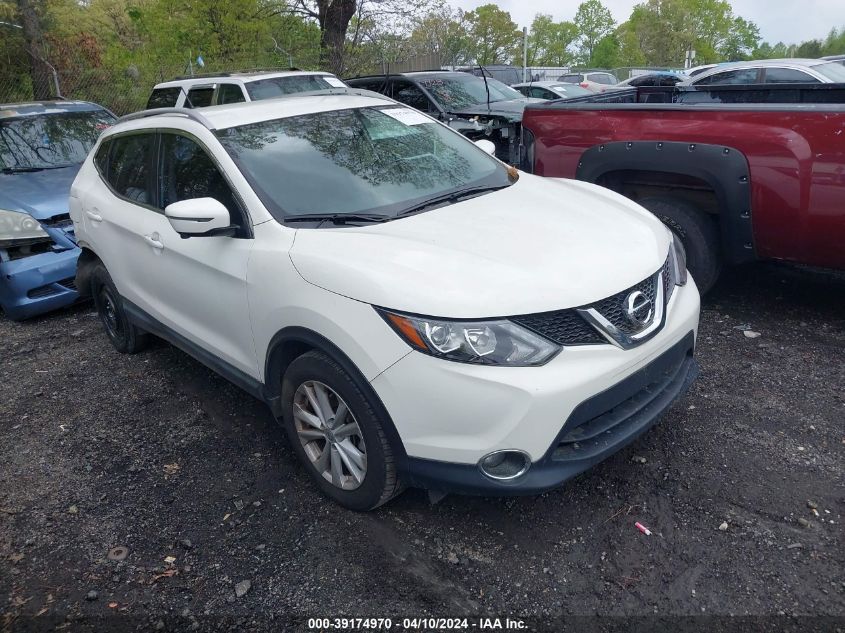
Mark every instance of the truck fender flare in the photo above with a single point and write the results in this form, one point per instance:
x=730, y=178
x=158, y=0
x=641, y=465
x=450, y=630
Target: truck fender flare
x=724, y=168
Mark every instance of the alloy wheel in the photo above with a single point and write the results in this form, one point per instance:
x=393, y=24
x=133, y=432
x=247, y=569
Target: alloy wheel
x=330, y=435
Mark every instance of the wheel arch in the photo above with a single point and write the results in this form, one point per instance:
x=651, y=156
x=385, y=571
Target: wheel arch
x=88, y=259
x=290, y=343
x=680, y=168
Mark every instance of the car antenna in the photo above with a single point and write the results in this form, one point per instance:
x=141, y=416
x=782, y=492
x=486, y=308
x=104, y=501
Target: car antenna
x=486, y=87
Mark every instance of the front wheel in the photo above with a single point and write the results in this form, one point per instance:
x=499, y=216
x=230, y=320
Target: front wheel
x=337, y=434
x=698, y=233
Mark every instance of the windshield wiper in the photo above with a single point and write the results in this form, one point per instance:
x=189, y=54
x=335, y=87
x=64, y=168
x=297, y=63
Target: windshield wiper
x=338, y=218
x=450, y=198
x=18, y=170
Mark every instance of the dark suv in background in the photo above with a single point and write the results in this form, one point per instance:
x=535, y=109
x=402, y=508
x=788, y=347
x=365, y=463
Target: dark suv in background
x=477, y=108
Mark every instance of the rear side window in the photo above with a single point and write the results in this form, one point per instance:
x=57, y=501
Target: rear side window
x=101, y=158
x=230, y=93
x=376, y=85
x=731, y=77
x=129, y=171
x=788, y=76
x=163, y=98
x=280, y=86
x=199, y=97
x=188, y=172
x=571, y=79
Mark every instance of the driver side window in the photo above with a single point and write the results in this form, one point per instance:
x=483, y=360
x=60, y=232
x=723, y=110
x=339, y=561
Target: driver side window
x=188, y=172
x=409, y=94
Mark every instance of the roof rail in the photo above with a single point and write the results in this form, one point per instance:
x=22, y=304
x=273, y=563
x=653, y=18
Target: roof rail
x=232, y=73
x=186, y=112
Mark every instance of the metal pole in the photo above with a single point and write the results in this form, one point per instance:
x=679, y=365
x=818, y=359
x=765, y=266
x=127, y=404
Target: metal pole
x=524, y=53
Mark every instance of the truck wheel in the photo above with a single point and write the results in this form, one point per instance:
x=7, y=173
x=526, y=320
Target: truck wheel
x=698, y=233
x=337, y=434
x=124, y=336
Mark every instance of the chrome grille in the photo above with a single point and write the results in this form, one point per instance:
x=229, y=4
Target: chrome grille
x=570, y=327
x=564, y=327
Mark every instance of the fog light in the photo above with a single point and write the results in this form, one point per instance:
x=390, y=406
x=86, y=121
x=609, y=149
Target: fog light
x=505, y=465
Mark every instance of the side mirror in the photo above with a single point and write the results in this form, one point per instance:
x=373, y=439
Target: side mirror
x=487, y=146
x=199, y=217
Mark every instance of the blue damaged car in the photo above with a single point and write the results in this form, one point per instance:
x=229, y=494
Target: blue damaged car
x=42, y=146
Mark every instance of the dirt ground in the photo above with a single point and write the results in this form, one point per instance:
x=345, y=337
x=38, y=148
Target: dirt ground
x=158, y=455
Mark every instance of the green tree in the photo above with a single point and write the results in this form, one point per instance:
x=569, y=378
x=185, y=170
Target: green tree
x=810, y=48
x=835, y=42
x=606, y=53
x=334, y=18
x=494, y=35
x=630, y=52
x=594, y=22
x=549, y=42
x=741, y=40
x=444, y=33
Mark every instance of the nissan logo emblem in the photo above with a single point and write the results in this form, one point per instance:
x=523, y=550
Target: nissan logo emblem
x=638, y=308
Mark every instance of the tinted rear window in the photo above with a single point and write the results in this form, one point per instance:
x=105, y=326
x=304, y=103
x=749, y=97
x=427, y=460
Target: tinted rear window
x=571, y=79
x=163, y=98
x=280, y=86
x=199, y=97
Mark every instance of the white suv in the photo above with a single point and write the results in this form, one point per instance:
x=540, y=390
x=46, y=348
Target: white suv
x=415, y=312
x=221, y=89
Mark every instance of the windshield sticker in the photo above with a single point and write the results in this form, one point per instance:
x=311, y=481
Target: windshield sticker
x=334, y=81
x=407, y=116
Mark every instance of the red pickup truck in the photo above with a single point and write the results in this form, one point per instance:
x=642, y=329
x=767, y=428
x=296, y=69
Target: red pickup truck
x=736, y=182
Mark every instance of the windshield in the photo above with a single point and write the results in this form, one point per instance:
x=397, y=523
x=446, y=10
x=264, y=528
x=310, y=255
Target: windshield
x=280, y=86
x=375, y=160
x=48, y=141
x=832, y=70
x=462, y=90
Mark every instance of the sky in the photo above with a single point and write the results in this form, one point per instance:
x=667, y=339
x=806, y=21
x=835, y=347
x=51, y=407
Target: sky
x=779, y=20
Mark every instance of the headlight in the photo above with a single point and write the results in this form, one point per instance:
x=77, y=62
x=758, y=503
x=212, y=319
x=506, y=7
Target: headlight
x=17, y=229
x=498, y=342
x=677, y=261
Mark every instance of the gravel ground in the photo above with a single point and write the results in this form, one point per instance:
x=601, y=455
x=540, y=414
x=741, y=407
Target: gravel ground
x=741, y=485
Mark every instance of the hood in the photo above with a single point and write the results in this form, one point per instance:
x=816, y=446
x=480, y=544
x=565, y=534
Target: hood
x=42, y=194
x=511, y=109
x=542, y=244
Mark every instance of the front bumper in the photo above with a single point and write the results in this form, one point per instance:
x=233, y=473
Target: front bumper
x=449, y=415
x=39, y=283
x=596, y=429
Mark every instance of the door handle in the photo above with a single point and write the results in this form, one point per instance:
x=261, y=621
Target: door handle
x=94, y=216
x=153, y=241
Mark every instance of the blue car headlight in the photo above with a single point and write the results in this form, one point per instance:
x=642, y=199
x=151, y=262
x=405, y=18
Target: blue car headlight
x=20, y=229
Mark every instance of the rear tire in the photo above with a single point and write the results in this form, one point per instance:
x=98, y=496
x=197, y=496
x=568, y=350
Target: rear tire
x=698, y=233
x=356, y=468
x=124, y=336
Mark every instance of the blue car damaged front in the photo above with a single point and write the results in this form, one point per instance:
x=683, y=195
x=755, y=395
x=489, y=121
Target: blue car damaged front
x=42, y=146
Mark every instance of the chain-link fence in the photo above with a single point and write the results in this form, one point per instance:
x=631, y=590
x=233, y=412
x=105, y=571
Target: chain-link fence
x=81, y=71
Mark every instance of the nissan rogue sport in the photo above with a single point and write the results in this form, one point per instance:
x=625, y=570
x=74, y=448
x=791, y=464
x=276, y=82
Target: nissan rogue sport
x=413, y=311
